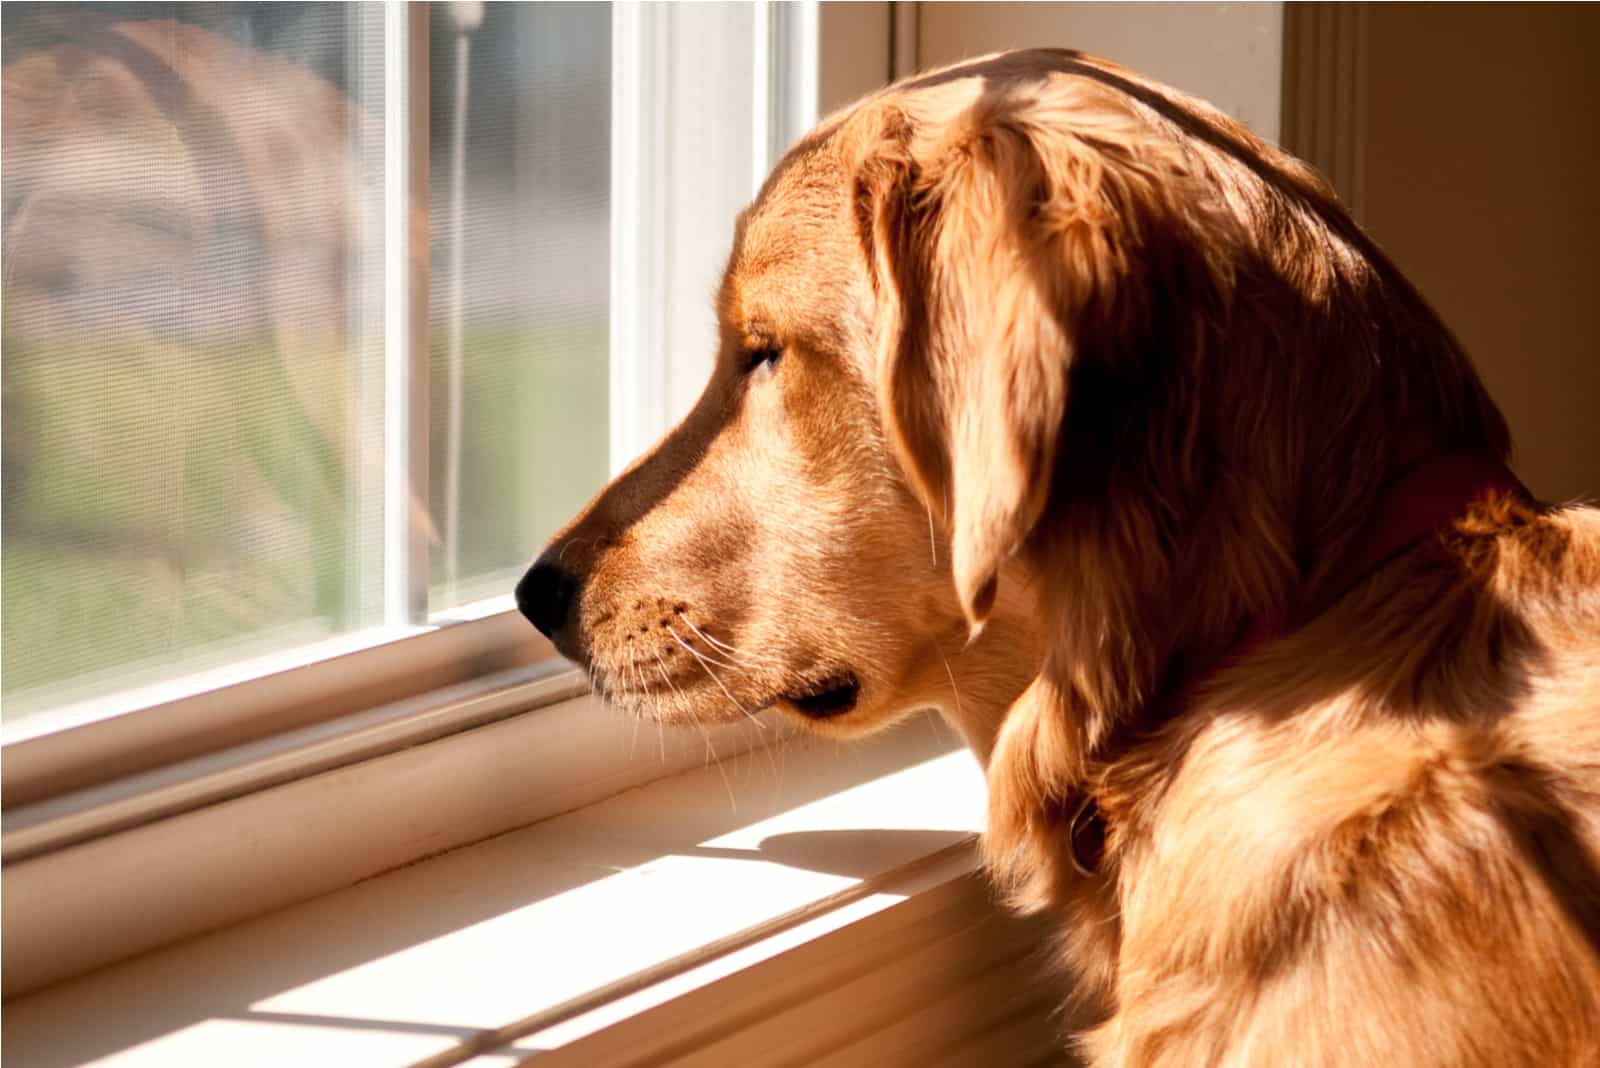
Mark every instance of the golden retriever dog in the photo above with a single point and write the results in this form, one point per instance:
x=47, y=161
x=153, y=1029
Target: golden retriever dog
x=1055, y=400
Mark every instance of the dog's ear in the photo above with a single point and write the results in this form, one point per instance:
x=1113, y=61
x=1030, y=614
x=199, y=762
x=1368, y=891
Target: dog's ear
x=973, y=347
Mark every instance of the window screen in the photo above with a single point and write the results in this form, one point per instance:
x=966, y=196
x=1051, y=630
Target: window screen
x=193, y=340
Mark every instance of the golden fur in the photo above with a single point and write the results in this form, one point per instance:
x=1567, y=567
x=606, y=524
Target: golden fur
x=1039, y=384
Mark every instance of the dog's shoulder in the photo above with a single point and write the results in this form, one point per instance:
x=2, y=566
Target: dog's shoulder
x=1548, y=570
x=1394, y=872
x=1538, y=579
x=1547, y=564
x=1350, y=841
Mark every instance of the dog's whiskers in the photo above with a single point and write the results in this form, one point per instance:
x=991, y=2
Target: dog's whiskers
x=705, y=733
x=717, y=643
x=745, y=659
x=661, y=666
x=649, y=701
x=724, y=661
x=714, y=677
x=638, y=678
x=633, y=736
x=705, y=663
x=954, y=690
x=711, y=750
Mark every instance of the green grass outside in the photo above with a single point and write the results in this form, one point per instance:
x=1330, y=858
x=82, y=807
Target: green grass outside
x=165, y=505
x=535, y=447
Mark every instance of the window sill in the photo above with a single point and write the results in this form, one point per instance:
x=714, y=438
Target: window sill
x=731, y=904
x=130, y=732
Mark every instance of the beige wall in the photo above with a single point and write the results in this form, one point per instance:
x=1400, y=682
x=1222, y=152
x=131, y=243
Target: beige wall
x=853, y=39
x=1229, y=54
x=1479, y=165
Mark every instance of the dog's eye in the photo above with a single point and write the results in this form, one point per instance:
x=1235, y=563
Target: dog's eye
x=756, y=359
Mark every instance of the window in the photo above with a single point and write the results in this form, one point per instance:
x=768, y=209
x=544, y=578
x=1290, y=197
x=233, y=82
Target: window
x=202, y=425
x=318, y=318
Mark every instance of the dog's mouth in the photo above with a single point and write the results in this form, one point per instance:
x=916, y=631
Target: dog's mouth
x=832, y=695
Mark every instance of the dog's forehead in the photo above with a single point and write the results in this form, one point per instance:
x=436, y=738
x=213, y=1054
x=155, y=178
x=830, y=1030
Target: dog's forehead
x=795, y=253
x=797, y=248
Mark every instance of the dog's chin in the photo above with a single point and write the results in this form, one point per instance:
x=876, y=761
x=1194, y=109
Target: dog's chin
x=828, y=700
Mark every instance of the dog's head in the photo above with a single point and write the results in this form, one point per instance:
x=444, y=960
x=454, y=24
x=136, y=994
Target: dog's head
x=826, y=530
x=1012, y=352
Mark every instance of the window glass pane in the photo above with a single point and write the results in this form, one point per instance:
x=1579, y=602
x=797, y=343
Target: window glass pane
x=519, y=193
x=192, y=368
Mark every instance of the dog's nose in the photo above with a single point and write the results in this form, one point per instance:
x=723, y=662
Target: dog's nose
x=545, y=596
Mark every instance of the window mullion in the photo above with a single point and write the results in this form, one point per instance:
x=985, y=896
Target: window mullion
x=661, y=195
x=793, y=80
x=638, y=258
x=761, y=133
x=405, y=313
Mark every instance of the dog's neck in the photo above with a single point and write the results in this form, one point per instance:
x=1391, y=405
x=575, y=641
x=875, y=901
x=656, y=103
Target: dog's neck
x=1423, y=500
x=973, y=684
x=1080, y=722
x=1133, y=664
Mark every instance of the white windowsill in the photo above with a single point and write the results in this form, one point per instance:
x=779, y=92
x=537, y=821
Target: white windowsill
x=123, y=691
x=545, y=935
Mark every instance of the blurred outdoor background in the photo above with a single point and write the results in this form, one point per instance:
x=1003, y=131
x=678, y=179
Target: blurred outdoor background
x=193, y=350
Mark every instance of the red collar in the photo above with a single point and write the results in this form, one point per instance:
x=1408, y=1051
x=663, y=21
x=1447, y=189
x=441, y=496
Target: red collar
x=1425, y=499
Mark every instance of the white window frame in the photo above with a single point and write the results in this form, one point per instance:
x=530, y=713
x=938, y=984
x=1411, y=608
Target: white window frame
x=129, y=784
